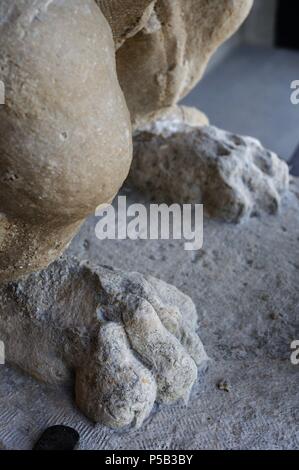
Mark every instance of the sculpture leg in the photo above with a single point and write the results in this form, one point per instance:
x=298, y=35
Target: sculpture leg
x=65, y=131
x=65, y=146
x=158, y=63
x=130, y=340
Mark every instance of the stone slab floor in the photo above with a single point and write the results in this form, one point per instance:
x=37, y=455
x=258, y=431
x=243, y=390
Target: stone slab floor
x=245, y=286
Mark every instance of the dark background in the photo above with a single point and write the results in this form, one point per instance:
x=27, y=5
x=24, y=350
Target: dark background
x=287, y=24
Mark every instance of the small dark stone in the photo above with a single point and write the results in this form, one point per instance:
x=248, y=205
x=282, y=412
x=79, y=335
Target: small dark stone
x=223, y=385
x=86, y=244
x=58, y=438
x=264, y=296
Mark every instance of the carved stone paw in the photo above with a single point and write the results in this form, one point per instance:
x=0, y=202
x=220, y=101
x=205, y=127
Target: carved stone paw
x=146, y=350
x=131, y=340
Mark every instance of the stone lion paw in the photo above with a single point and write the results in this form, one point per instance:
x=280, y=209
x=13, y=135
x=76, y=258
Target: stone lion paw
x=131, y=340
x=147, y=350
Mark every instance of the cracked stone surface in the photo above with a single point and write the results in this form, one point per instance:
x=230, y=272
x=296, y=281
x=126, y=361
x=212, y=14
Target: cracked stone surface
x=244, y=283
x=235, y=177
x=129, y=339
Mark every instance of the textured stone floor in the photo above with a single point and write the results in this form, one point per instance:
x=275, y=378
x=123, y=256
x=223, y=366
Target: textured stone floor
x=245, y=286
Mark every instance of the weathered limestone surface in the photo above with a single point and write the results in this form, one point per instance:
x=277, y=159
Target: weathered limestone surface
x=65, y=135
x=234, y=177
x=126, y=17
x=65, y=132
x=165, y=52
x=244, y=284
x=65, y=146
x=129, y=339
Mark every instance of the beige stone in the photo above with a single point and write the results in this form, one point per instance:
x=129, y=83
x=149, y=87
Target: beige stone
x=65, y=148
x=173, y=119
x=65, y=140
x=126, y=17
x=65, y=132
x=162, y=62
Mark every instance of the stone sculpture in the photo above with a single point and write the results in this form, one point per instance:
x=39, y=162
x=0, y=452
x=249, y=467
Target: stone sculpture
x=163, y=46
x=65, y=148
x=65, y=140
x=129, y=339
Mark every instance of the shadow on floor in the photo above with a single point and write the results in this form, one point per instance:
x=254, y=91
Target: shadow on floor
x=294, y=163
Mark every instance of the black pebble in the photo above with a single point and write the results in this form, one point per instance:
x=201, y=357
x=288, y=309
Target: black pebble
x=58, y=438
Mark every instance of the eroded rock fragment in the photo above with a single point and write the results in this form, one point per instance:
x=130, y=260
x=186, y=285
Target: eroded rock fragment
x=234, y=177
x=131, y=340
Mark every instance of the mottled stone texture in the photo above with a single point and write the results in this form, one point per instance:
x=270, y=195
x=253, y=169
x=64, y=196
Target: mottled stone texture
x=234, y=177
x=244, y=284
x=65, y=147
x=165, y=52
x=126, y=17
x=65, y=132
x=129, y=339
